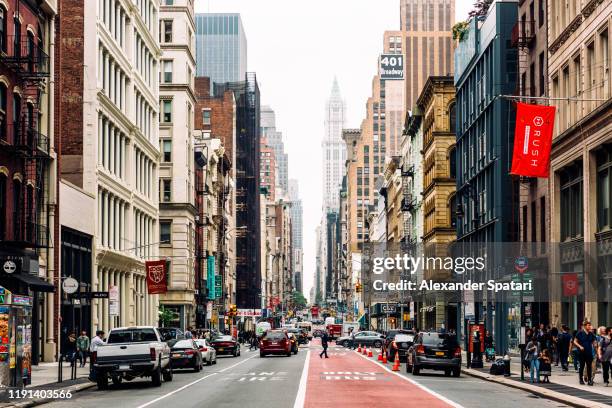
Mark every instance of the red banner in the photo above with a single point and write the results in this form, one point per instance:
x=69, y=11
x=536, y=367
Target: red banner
x=532, y=140
x=570, y=284
x=156, y=277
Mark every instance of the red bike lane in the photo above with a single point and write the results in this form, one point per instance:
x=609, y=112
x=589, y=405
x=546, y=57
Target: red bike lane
x=347, y=379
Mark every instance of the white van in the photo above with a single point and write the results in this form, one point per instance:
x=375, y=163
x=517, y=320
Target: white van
x=308, y=327
x=262, y=327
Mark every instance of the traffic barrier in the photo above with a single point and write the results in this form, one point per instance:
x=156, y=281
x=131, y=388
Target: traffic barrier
x=370, y=353
x=396, y=364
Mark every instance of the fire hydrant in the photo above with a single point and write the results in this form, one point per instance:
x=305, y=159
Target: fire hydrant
x=507, y=360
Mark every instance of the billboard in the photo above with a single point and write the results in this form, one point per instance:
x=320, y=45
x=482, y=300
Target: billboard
x=391, y=66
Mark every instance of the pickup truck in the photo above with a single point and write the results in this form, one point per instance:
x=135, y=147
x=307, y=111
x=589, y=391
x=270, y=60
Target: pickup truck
x=131, y=352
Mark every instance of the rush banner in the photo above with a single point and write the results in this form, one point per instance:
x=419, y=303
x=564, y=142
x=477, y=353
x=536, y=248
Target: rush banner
x=156, y=276
x=532, y=140
x=570, y=284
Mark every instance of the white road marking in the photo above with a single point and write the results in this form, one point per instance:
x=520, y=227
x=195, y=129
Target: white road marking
x=421, y=386
x=301, y=394
x=191, y=383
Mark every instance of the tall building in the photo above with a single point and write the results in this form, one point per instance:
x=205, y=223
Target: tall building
x=29, y=153
x=176, y=169
x=428, y=45
x=267, y=171
x=579, y=75
x=333, y=149
x=107, y=62
x=221, y=47
x=485, y=67
x=274, y=139
x=296, y=233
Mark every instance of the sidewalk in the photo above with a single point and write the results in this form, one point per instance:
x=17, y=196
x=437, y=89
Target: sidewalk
x=563, y=387
x=44, y=377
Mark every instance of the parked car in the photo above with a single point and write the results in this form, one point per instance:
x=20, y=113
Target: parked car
x=132, y=352
x=399, y=346
x=392, y=333
x=209, y=354
x=275, y=342
x=364, y=338
x=226, y=345
x=300, y=334
x=186, y=354
x=435, y=351
x=171, y=335
x=294, y=342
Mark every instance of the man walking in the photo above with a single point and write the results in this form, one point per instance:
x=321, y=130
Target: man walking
x=563, y=345
x=95, y=342
x=586, y=342
x=83, y=347
x=324, y=340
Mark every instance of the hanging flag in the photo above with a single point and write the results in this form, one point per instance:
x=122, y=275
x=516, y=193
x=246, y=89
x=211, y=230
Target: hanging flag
x=156, y=276
x=570, y=284
x=532, y=140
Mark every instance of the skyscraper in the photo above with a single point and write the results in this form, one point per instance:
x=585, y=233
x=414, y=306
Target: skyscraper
x=274, y=139
x=296, y=233
x=221, y=47
x=334, y=150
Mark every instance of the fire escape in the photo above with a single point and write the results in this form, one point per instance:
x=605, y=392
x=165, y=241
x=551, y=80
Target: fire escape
x=408, y=202
x=20, y=135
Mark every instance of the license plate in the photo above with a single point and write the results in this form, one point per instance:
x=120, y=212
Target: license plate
x=176, y=355
x=439, y=353
x=220, y=348
x=274, y=343
x=124, y=367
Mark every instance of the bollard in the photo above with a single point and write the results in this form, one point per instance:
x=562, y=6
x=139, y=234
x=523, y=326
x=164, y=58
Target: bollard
x=507, y=360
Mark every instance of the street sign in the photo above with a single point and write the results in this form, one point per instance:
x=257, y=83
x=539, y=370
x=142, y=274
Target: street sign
x=98, y=295
x=70, y=285
x=113, y=300
x=386, y=308
x=521, y=264
x=9, y=266
x=218, y=289
x=391, y=66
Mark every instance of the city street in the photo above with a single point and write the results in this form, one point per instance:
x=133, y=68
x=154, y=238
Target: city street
x=345, y=379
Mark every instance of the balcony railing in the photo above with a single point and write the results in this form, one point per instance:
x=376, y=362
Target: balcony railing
x=24, y=56
x=523, y=33
x=408, y=202
x=29, y=234
x=22, y=137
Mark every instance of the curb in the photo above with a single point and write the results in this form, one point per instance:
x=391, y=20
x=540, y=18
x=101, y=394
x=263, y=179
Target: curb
x=542, y=392
x=40, y=401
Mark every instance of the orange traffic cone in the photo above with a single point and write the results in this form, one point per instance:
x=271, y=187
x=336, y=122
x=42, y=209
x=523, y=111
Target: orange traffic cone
x=384, y=358
x=370, y=353
x=359, y=349
x=365, y=351
x=380, y=356
x=396, y=364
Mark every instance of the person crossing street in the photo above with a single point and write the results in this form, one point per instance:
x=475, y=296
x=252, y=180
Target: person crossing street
x=324, y=344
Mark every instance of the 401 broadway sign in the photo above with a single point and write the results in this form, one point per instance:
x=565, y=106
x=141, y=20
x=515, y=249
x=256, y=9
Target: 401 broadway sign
x=391, y=66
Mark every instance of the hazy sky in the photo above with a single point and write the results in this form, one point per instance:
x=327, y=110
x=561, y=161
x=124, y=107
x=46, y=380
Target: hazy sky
x=296, y=48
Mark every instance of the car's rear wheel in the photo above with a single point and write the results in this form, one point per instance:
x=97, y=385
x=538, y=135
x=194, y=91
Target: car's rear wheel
x=156, y=377
x=447, y=373
x=116, y=379
x=102, y=381
x=289, y=353
x=456, y=372
x=197, y=366
x=262, y=355
x=377, y=344
x=344, y=343
x=168, y=374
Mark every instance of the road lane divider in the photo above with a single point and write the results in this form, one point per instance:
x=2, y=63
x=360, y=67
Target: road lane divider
x=301, y=394
x=191, y=384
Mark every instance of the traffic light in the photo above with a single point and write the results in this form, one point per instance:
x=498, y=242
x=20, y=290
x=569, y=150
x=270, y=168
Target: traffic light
x=358, y=287
x=233, y=312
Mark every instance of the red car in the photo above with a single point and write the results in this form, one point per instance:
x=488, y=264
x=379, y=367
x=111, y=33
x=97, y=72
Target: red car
x=275, y=342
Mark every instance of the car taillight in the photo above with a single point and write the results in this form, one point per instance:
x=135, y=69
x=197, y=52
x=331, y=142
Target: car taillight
x=153, y=354
x=94, y=356
x=189, y=352
x=420, y=349
x=203, y=349
x=458, y=352
x=394, y=345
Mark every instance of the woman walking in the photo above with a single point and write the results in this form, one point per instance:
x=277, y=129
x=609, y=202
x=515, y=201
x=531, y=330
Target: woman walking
x=533, y=355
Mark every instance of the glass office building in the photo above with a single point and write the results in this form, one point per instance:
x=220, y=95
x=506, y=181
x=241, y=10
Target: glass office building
x=221, y=47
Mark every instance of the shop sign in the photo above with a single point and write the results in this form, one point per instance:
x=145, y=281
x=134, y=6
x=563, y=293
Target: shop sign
x=22, y=300
x=70, y=285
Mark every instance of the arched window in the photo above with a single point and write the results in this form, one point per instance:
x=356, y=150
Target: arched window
x=30, y=221
x=3, y=41
x=452, y=207
x=16, y=114
x=17, y=216
x=31, y=51
x=3, y=207
x=3, y=92
x=17, y=36
x=452, y=162
x=452, y=114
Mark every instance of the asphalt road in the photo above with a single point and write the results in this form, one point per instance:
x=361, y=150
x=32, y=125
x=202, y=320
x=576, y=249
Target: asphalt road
x=249, y=381
x=245, y=381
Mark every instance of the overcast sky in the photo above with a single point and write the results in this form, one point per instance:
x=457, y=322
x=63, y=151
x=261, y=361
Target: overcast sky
x=296, y=48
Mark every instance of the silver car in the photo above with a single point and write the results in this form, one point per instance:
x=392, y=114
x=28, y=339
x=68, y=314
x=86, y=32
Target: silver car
x=208, y=352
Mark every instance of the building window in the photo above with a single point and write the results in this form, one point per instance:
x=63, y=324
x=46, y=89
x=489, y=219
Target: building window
x=166, y=190
x=167, y=111
x=3, y=40
x=167, y=67
x=166, y=31
x=541, y=73
x=452, y=163
x=571, y=202
x=17, y=218
x=167, y=150
x=206, y=117
x=3, y=208
x=168, y=2
x=604, y=192
x=165, y=232
x=542, y=219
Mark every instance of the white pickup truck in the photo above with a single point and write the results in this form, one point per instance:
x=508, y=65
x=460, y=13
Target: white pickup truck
x=131, y=352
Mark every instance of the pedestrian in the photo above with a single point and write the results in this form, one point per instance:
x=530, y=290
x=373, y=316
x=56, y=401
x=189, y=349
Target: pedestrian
x=564, y=340
x=545, y=366
x=188, y=333
x=93, y=347
x=586, y=342
x=533, y=356
x=71, y=348
x=574, y=352
x=554, y=336
x=82, y=344
x=605, y=354
x=324, y=341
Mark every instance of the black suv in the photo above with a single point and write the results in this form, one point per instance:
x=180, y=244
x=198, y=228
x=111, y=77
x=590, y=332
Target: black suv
x=435, y=351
